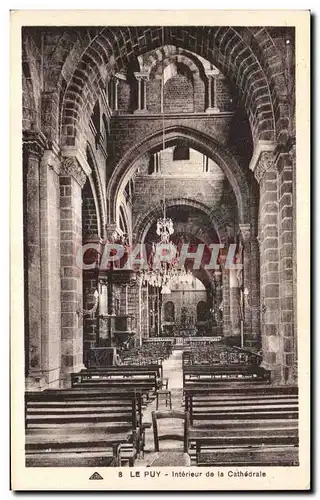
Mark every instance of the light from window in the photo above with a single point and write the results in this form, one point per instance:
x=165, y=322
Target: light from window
x=181, y=153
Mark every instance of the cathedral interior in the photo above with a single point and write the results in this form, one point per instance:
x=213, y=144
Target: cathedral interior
x=134, y=134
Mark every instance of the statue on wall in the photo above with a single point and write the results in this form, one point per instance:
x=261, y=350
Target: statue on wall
x=239, y=260
x=169, y=312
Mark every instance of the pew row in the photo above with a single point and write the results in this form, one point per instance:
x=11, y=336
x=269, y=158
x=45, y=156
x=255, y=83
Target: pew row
x=144, y=382
x=83, y=427
x=205, y=376
x=245, y=425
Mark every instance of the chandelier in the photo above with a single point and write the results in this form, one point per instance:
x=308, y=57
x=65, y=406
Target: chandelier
x=163, y=262
x=163, y=270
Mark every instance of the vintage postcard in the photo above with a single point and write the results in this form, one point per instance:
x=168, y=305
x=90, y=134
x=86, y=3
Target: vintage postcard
x=160, y=250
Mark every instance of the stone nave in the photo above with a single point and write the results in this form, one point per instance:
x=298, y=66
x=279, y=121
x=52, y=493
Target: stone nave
x=140, y=136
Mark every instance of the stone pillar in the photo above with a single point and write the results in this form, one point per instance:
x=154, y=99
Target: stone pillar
x=142, y=87
x=72, y=180
x=272, y=348
x=226, y=303
x=33, y=148
x=139, y=94
x=234, y=306
x=126, y=299
x=287, y=327
x=90, y=321
x=292, y=156
x=50, y=266
x=250, y=277
x=90, y=285
x=255, y=293
x=104, y=320
x=116, y=84
x=147, y=313
x=162, y=96
x=218, y=301
x=212, y=82
x=140, y=312
x=246, y=280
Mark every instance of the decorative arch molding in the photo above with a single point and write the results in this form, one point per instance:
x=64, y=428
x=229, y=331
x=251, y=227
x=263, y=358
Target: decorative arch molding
x=31, y=95
x=196, y=140
x=144, y=223
x=169, y=311
x=123, y=213
x=173, y=54
x=202, y=311
x=89, y=191
x=249, y=59
x=97, y=190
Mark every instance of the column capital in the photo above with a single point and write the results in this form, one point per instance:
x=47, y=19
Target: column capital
x=245, y=230
x=113, y=232
x=265, y=163
x=79, y=155
x=71, y=167
x=34, y=142
x=141, y=75
x=212, y=73
x=51, y=158
x=292, y=154
x=262, y=158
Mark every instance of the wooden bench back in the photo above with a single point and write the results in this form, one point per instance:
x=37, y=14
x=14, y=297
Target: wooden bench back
x=247, y=403
x=209, y=375
x=242, y=426
x=80, y=426
x=143, y=381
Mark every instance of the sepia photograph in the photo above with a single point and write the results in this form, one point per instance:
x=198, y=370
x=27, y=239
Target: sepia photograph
x=159, y=301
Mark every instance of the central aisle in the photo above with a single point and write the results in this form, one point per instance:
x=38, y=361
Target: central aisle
x=172, y=369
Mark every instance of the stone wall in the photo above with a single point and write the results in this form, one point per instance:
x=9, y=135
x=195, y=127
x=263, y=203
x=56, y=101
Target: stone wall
x=72, y=180
x=50, y=265
x=64, y=73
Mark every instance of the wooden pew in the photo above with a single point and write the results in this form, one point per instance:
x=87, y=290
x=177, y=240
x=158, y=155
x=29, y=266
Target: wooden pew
x=230, y=426
x=144, y=382
x=236, y=391
x=148, y=353
x=260, y=456
x=126, y=370
x=205, y=376
x=83, y=426
x=136, y=368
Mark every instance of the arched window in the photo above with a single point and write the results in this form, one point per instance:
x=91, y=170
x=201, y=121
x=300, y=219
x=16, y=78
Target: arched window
x=202, y=311
x=151, y=165
x=105, y=130
x=181, y=153
x=122, y=220
x=169, y=312
x=96, y=117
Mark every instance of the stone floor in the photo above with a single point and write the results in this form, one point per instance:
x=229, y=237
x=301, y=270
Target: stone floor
x=172, y=369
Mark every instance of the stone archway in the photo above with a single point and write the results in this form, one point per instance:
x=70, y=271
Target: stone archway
x=247, y=56
x=144, y=223
x=199, y=141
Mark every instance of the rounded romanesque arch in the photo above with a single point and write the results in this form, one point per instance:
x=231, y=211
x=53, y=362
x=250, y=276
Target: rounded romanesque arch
x=168, y=311
x=196, y=140
x=144, y=223
x=124, y=219
x=163, y=57
x=98, y=192
x=248, y=57
x=202, y=311
x=241, y=129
